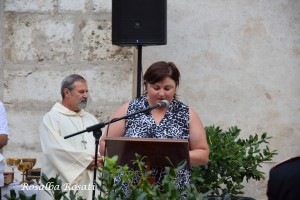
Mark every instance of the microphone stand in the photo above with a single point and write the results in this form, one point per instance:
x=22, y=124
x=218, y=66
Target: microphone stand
x=97, y=132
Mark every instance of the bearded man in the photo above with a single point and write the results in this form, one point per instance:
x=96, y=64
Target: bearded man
x=73, y=158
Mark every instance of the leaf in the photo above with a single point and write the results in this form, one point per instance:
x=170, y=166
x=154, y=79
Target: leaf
x=231, y=161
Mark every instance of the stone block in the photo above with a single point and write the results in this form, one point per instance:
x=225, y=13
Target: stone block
x=108, y=83
x=38, y=38
x=76, y=5
x=96, y=42
x=101, y=5
x=28, y=6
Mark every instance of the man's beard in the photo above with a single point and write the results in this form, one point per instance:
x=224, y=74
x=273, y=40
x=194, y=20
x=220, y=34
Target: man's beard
x=83, y=104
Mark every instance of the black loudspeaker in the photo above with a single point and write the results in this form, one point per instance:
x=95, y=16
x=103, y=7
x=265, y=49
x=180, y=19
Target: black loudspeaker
x=139, y=22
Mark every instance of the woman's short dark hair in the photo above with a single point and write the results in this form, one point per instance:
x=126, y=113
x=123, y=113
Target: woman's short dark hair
x=68, y=83
x=160, y=70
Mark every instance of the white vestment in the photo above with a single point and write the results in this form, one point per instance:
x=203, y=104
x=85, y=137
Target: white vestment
x=68, y=157
x=3, y=130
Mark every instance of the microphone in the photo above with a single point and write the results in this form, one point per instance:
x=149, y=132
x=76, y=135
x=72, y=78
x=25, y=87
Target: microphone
x=162, y=103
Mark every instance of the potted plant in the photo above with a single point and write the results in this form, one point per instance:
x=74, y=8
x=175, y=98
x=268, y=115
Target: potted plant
x=232, y=160
x=144, y=189
x=22, y=196
x=110, y=190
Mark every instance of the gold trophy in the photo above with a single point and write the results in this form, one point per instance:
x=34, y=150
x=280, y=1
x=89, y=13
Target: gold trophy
x=24, y=167
x=13, y=163
x=32, y=161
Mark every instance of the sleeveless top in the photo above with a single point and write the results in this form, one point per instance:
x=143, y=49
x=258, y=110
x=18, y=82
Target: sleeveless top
x=174, y=125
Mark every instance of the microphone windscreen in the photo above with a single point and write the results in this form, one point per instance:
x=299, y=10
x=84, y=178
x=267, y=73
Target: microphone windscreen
x=165, y=103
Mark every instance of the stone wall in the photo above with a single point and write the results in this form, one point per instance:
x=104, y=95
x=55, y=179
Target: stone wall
x=1, y=49
x=44, y=41
x=239, y=62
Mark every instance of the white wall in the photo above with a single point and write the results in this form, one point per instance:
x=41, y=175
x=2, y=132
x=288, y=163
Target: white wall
x=239, y=62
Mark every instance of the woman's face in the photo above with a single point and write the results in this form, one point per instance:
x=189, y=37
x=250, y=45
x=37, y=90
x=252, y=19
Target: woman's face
x=164, y=89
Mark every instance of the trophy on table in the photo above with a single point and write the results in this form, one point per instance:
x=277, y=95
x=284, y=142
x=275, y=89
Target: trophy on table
x=13, y=163
x=24, y=166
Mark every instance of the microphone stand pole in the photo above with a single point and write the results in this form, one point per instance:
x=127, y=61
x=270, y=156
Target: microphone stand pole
x=139, y=71
x=97, y=132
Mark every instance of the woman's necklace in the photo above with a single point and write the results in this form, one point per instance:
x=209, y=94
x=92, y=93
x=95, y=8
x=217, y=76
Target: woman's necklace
x=83, y=141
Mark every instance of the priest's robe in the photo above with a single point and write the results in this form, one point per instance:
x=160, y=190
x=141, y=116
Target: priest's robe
x=68, y=157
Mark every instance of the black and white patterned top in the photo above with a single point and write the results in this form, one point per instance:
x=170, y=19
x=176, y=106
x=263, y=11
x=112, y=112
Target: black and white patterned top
x=174, y=125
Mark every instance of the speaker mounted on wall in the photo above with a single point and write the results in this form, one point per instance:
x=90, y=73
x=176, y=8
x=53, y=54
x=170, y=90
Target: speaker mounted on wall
x=139, y=22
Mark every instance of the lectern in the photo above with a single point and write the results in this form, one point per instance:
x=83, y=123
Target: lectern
x=159, y=152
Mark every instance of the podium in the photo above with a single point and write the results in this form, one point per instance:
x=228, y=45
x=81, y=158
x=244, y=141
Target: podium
x=159, y=152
